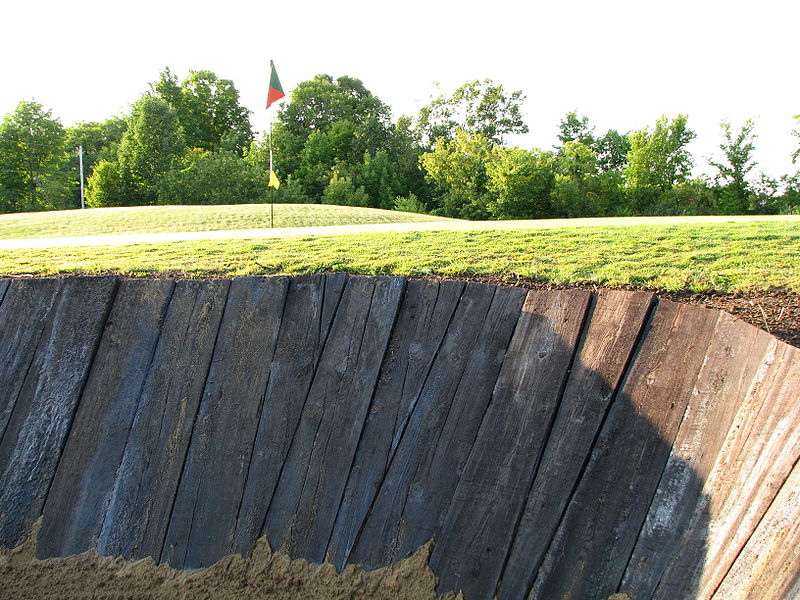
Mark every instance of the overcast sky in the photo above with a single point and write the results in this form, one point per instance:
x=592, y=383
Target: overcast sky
x=622, y=63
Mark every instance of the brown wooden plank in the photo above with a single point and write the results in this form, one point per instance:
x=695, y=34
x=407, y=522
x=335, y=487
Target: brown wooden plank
x=727, y=374
x=613, y=329
x=147, y=479
x=310, y=308
x=40, y=421
x=590, y=551
x=84, y=481
x=416, y=493
x=470, y=551
x=424, y=317
x=204, y=514
x=767, y=568
x=759, y=452
x=303, y=509
x=23, y=316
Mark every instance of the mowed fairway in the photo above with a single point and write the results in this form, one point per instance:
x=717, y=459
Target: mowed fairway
x=723, y=256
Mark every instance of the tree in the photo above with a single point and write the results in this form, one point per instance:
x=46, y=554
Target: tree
x=657, y=160
x=520, y=182
x=477, y=107
x=612, y=151
x=458, y=170
x=573, y=128
x=796, y=133
x=208, y=110
x=32, y=153
x=733, y=188
x=213, y=178
x=99, y=142
x=151, y=146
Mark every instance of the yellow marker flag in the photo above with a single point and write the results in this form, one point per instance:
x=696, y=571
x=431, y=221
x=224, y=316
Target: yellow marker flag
x=273, y=180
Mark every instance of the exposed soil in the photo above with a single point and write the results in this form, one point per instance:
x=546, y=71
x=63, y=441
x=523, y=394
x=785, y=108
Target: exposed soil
x=776, y=311
x=264, y=576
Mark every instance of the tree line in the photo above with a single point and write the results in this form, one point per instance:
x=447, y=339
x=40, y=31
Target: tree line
x=333, y=141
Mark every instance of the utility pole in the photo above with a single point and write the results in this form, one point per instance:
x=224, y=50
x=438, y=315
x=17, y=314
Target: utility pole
x=80, y=163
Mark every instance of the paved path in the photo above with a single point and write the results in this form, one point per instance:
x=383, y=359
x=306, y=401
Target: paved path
x=138, y=238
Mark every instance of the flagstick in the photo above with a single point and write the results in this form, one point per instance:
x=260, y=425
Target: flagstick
x=271, y=189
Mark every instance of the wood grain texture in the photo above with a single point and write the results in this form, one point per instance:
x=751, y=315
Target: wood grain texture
x=84, y=482
x=147, y=479
x=203, y=518
x=310, y=308
x=730, y=365
x=590, y=551
x=425, y=315
x=44, y=409
x=470, y=551
x=303, y=510
x=416, y=492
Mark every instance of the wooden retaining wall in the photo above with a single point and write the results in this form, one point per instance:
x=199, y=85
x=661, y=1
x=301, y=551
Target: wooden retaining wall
x=553, y=444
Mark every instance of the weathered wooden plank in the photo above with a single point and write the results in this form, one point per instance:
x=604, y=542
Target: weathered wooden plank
x=759, y=452
x=84, y=480
x=23, y=315
x=419, y=484
x=4, y=283
x=40, y=421
x=470, y=551
x=766, y=568
x=310, y=308
x=615, y=323
x=204, y=514
x=424, y=317
x=303, y=509
x=727, y=374
x=590, y=551
x=140, y=504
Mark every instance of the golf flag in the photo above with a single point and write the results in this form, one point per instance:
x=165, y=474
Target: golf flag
x=273, y=180
x=275, y=91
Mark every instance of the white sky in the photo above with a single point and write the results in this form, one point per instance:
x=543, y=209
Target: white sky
x=622, y=63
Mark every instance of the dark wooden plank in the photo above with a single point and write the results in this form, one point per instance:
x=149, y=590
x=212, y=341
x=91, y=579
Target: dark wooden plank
x=303, y=510
x=424, y=317
x=23, y=315
x=613, y=328
x=147, y=479
x=759, y=452
x=767, y=567
x=470, y=551
x=4, y=283
x=44, y=410
x=84, y=481
x=310, y=308
x=416, y=492
x=735, y=354
x=591, y=548
x=204, y=514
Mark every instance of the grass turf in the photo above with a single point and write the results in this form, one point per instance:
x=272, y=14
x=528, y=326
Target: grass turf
x=158, y=219
x=723, y=257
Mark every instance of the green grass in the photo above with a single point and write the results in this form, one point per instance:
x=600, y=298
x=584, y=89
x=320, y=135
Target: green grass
x=157, y=219
x=724, y=257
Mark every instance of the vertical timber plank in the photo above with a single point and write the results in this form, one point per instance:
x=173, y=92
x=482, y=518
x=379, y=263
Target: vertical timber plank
x=139, y=510
x=471, y=549
x=614, y=327
x=421, y=325
x=4, y=283
x=82, y=486
x=759, y=452
x=23, y=316
x=590, y=551
x=40, y=422
x=204, y=514
x=310, y=308
x=727, y=374
x=303, y=510
x=416, y=493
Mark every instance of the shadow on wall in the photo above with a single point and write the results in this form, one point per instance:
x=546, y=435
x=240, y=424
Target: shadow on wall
x=555, y=444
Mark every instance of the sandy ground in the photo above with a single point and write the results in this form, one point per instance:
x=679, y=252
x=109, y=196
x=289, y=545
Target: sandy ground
x=264, y=576
x=138, y=238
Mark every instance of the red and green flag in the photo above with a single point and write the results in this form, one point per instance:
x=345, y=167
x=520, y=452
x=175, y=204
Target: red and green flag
x=275, y=90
